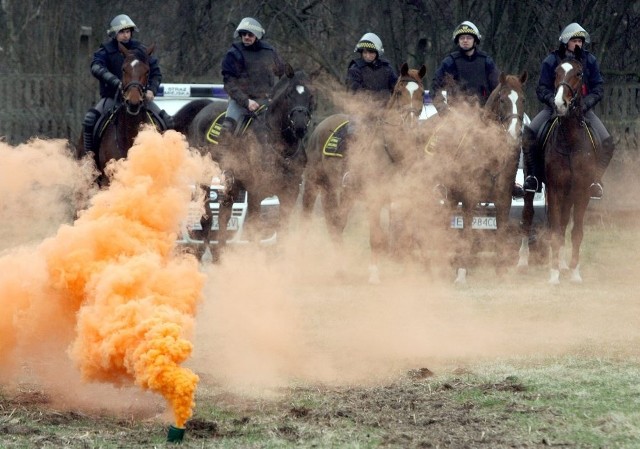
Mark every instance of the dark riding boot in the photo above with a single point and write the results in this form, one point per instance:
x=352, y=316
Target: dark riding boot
x=227, y=131
x=167, y=119
x=603, y=158
x=529, y=150
x=88, y=124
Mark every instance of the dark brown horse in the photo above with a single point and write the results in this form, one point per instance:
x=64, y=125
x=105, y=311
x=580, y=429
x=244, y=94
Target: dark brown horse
x=267, y=160
x=474, y=156
x=121, y=126
x=348, y=162
x=569, y=164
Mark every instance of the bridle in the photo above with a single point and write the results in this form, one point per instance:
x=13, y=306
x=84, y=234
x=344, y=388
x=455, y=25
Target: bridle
x=140, y=85
x=575, y=93
x=409, y=110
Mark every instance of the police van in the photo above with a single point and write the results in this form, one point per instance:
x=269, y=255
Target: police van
x=171, y=97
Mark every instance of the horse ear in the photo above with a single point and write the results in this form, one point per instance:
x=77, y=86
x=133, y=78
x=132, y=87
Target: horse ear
x=523, y=77
x=404, y=69
x=423, y=71
x=503, y=77
x=288, y=70
x=122, y=49
x=151, y=48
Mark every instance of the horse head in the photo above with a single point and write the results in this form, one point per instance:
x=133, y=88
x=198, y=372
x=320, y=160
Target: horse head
x=135, y=73
x=568, y=86
x=292, y=104
x=407, y=94
x=506, y=103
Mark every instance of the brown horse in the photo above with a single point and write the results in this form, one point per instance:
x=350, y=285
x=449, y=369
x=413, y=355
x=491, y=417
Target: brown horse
x=348, y=161
x=122, y=125
x=474, y=157
x=569, y=164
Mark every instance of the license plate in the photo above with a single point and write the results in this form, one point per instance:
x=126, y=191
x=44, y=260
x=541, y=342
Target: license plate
x=457, y=222
x=232, y=225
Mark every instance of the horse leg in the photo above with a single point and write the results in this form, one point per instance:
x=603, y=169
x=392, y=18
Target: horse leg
x=527, y=222
x=205, y=222
x=224, y=214
x=334, y=213
x=502, y=237
x=377, y=240
x=565, y=216
x=463, y=245
x=577, y=233
x=309, y=197
x=252, y=230
x=555, y=235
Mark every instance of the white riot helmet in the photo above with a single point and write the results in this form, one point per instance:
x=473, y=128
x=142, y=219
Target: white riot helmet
x=251, y=25
x=466, y=27
x=120, y=22
x=574, y=30
x=370, y=41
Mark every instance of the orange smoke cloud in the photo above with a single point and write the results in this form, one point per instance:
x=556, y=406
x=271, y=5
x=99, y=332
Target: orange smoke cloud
x=117, y=273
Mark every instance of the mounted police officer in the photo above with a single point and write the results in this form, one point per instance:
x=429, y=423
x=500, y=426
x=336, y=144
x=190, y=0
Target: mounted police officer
x=473, y=71
x=370, y=72
x=106, y=66
x=250, y=70
x=572, y=40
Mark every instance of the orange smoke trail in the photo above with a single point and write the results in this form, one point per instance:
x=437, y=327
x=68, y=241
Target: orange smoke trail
x=115, y=270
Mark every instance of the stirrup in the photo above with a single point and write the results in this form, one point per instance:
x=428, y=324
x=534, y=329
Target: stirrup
x=528, y=187
x=596, y=191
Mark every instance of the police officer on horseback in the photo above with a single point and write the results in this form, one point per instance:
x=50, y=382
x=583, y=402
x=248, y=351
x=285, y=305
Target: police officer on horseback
x=106, y=66
x=250, y=69
x=370, y=72
x=572, y=40
x=473, y=71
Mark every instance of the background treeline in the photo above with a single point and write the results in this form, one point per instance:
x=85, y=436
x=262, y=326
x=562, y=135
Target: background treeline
x=57, y=37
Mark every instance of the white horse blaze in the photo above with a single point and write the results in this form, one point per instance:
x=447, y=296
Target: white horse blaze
x=559, y=101
x=300, y=89
x=412, y=86
x=134, y=63
x=512, y=130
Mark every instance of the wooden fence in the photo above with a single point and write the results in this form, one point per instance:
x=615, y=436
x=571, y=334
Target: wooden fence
x=53, y=106
x=47, y=106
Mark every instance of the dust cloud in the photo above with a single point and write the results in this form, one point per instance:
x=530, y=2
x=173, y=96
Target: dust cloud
x=304, y=312
x=110, y=300
x=109, y=291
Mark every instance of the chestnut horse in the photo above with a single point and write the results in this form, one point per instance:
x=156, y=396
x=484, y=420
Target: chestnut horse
x=569, y=164
x=347, y=162
x=473, y=156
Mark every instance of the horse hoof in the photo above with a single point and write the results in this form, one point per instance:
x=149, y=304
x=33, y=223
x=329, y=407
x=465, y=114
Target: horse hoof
x=576, y=278
x=554, y=277
x=461, y=278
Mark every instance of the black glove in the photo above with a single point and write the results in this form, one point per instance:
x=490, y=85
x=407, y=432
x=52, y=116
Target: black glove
x=551, y=102
x=112, y=80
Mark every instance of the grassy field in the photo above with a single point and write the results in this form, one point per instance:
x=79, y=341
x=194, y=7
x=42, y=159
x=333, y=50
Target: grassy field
x=305, y=354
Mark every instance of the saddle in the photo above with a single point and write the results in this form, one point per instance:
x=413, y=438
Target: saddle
x=335, y=145
x=545, y=132
x=215, y=129
x=109, y=116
